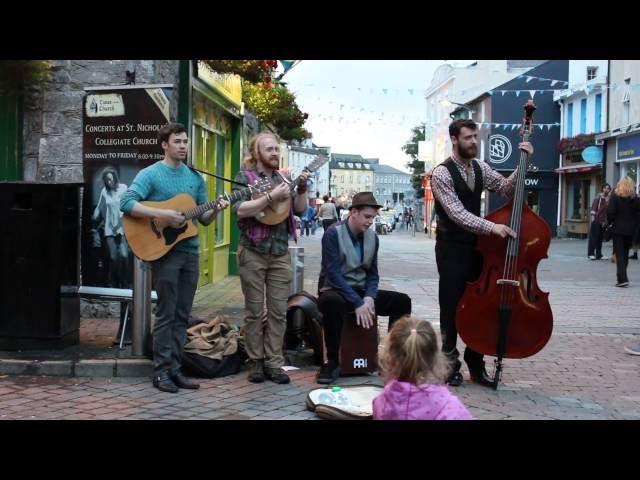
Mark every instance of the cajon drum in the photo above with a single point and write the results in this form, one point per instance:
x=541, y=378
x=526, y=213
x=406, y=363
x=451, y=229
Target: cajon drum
x=358, y=347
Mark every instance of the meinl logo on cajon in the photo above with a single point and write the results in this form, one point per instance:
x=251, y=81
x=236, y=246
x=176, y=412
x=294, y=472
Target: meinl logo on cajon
x=358, y=348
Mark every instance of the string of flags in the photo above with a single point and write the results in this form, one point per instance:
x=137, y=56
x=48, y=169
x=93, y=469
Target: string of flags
x=383, y=90
x=513, y=126
x=528, y=78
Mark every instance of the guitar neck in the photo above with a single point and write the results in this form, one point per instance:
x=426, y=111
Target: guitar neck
x=296, y=182
x=205, y=207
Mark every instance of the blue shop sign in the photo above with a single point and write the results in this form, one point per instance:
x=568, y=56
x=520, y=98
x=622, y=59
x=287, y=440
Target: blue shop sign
x=628, y=147
x=592, y=154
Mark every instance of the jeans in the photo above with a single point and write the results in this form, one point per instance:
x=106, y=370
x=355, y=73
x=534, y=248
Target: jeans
x=595, y=240
x=175, y=278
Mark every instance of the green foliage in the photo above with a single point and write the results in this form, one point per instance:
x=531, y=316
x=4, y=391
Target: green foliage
x=416, y=166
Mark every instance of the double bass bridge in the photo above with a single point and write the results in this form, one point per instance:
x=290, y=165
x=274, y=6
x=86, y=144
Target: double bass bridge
x=506, y=281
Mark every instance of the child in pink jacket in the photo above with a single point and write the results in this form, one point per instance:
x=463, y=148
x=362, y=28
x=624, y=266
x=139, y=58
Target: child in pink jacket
x=414, y=371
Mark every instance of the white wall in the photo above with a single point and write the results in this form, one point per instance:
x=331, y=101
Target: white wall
x=578, y=71
x=620, y=70
x=578, y=81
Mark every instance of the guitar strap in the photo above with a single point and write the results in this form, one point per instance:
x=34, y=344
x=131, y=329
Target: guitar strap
x=218, y=176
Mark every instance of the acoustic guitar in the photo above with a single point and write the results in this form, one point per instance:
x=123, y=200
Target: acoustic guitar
x=279, y=211
x=152, y=238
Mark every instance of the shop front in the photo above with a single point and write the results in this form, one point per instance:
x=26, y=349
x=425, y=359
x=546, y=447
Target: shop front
x=628, y=158
x=580, y=184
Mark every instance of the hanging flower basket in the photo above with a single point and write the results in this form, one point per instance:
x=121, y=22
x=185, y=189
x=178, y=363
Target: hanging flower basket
x=254, y=71
x=577, y=143
x=276, y=106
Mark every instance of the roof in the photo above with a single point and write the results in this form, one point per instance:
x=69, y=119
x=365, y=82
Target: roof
x=312, y=151
x=386, y=169
x=346, y=157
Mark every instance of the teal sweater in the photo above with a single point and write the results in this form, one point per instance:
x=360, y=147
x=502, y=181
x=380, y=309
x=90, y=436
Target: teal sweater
x=159, y=182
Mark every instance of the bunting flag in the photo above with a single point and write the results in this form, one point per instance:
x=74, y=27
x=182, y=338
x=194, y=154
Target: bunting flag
x=513, y=126
x=542, y=79
x=288, y=64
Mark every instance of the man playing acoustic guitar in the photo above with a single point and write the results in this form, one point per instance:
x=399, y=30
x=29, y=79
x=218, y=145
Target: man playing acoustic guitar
x=175, y=275
x=263, y=256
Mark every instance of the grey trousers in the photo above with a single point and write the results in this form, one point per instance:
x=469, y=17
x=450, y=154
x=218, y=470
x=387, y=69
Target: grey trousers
x=263, y=274
x=175, y=278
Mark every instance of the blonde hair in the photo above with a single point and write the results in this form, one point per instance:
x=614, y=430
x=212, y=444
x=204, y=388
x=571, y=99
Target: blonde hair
x=625, y=187
x=411, y=353
x=252, y=158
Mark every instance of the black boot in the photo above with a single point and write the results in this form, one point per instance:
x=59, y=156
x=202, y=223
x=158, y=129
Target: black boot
x=455, y=377
x=162, y=381
x=477, y=369
x=183, y=382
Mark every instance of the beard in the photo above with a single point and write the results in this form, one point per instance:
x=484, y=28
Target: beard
x=467, y=153
x=270, y=162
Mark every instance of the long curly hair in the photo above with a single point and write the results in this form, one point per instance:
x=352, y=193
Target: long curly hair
x=411, y=353
x=625, y=187
x=251, y=160
x=116, y=178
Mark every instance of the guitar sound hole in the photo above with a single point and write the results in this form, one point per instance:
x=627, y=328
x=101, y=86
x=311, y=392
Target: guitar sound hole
x=170, y=234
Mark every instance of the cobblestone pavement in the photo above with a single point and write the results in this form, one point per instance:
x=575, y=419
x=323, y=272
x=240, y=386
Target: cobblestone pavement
x=582, y=373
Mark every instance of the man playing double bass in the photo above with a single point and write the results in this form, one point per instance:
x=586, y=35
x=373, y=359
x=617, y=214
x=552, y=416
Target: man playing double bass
x=457, y=185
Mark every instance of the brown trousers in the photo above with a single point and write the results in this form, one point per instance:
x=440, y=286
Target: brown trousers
x=260, y=274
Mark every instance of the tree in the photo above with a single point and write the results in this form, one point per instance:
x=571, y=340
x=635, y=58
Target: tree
x=417, y=166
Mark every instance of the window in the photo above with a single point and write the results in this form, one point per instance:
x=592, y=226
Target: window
x=570, y=120
x=583, y=115
x=626, y=101
x=592, y=72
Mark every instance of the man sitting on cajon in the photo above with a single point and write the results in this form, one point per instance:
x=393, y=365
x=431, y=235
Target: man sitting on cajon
x=349, y=279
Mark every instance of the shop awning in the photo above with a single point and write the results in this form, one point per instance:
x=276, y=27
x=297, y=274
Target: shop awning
x=578, y=168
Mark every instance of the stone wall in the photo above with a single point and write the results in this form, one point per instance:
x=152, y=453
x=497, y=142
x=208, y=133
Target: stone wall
x=53, y=114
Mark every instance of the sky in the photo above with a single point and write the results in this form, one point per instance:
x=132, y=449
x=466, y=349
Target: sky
x=365, y=107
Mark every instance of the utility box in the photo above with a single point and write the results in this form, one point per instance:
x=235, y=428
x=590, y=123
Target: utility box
x=40, y=258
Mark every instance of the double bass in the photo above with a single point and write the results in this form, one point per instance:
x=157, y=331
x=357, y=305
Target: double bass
x=503, y=313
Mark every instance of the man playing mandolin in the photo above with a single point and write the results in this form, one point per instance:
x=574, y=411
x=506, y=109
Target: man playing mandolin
x=175, y=275
x=457, y=185
x=266, y=222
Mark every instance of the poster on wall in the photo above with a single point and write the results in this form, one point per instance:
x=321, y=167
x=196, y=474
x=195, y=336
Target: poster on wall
x=120, y=127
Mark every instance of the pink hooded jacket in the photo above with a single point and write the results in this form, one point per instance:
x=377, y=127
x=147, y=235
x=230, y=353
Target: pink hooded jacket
x=406, y=401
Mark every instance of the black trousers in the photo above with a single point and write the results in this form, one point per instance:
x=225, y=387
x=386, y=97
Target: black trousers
x=457, y=263
x=595, y=240
x=334, y=309
x=621, y=245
